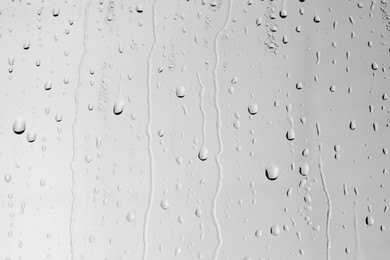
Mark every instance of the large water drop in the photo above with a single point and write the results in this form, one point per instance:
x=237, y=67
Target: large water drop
x=19, y=126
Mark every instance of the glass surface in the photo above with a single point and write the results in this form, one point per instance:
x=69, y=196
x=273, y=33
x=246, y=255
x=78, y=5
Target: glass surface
x=194, y=129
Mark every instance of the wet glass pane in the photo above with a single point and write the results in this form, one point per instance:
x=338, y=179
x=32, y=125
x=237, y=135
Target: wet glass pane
x=194, y=129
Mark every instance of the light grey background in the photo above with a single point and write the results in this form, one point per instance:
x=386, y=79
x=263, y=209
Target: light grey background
x=138, y=189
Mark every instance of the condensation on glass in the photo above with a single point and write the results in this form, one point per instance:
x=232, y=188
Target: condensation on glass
x=194, y=129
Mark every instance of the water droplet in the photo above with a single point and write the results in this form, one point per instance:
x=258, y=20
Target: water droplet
x=180, y=92
x=252, y=109
x=198, y=212
x=139, y=9
x=258, y=233
x=275, y=230
x=236, y=124
x=56, y=11
x=118, y=106
x=290, y=135
x=283, y=13
x=11, y=60
x=285, y=39
x=7, y=177
x=369, y=221
x=299, y=85
x=259, y=21
x=88, y=158
x=48, y=85
x=130, y=217
x=304, y=169
x=203, y=153
x=161, y=133
x=164, y=204
x=316, y=19
x=272, y=171
x=58, y=117
x=26, y=45
x=352, y=125
x=19, y=126
x=234, y=80
x=31, y=136
x=179, y=160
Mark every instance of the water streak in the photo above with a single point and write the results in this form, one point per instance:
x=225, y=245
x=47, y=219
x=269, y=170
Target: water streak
x=329, y=201
x=149, y=134
x=219, y=123
x=358, y=255
x=201, y=94
x=76, y=118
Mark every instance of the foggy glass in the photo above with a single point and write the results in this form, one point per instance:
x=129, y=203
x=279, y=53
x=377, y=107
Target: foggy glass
x=194, y=129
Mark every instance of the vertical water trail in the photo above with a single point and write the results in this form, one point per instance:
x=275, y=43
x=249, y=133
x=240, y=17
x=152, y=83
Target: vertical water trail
x=201, y=94
x=119, y=85
x=283, y=6
x=289, y=116
x=358, y=255
x=149, y=134
x=219, y=123
x=318, y=57
x=324, y=187
x=290, y=134
x=76, y=118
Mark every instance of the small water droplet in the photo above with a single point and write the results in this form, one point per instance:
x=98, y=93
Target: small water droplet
x=275, y=230
x=161, y=133
x=290, y=135
x=58, y=117
x=236, y=124
x=283, y=13
x=19, y=126
x=369, y=221
x=304, y=169
x=198, y=212
x=272, y=171
x=11, y=60
x=48, y=85
x=7, y=177
x=31, y=136
x=352, y=125
x=56, y=11
x=88, y=158
x=203, y=153
x=234, y=80
x=118, y=106
x=164, y=204
x=258, y=233
x=252, y=109
x=26, y=45
x=259, y=21
x=130, y=217
x=139, y=9
x=316, y=19
x=180, y=92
